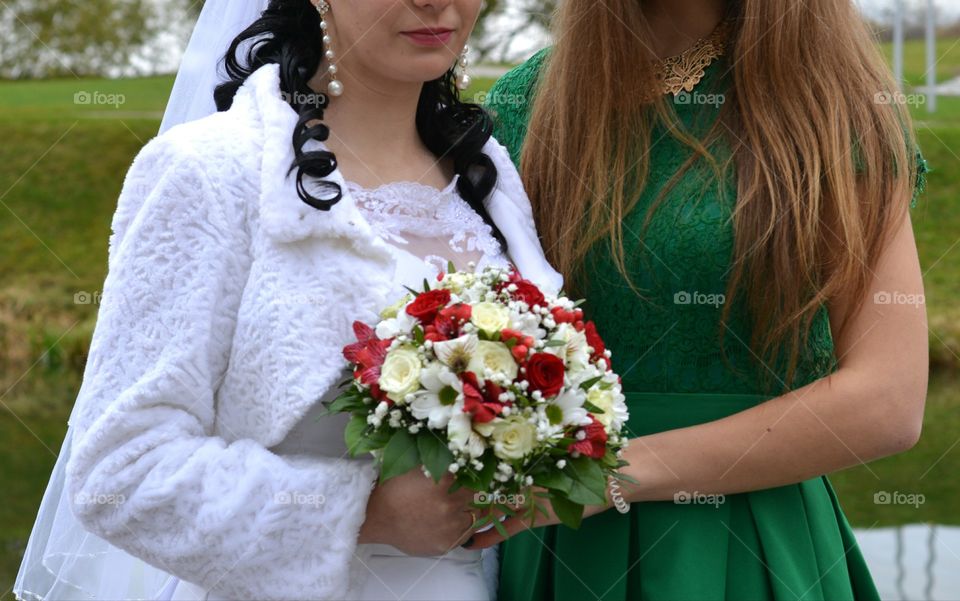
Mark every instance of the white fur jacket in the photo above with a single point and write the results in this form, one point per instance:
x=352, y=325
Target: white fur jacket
x=200, y=361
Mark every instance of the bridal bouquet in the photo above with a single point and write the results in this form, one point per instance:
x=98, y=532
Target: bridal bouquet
x=485, y=376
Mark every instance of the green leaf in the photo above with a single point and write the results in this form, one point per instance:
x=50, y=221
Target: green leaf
x=412, y=291
x=506, y=509
x=554, y=414
x=610, y=459
x=550, y=343
x=486, y=519
x=426, y=285
x=450, y=267
x=585, y=385
x=500, y=528
x=364, y=439
x=592, y=408
x=569, y=512
x=418, y=334
x=485, y=476
x=345, y=403
x=354, y=432
x=579, y=302
x=434, y=454
x=585, y=496
x=626, y=478
x=399, y=456
x=555, y=480
x=448, y=395
x=589, y=484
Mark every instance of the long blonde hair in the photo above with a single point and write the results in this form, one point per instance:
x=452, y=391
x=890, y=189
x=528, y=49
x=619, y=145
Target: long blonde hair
x=807, y=97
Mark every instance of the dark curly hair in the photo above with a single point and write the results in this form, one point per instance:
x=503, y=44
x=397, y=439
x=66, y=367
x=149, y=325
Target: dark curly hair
x=288, y=33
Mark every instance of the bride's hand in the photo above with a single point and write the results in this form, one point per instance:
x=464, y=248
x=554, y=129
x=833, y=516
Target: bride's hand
x=418, y=516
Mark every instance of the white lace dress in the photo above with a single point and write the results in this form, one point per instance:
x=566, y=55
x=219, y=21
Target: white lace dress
x=426, y=227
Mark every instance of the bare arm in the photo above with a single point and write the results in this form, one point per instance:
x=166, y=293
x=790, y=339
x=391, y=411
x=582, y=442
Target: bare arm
x=871, y=407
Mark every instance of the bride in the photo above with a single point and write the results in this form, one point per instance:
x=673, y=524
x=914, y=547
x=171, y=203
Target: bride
x=332, y=166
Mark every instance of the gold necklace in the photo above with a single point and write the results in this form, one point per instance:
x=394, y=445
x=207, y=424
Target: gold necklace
x=681, y=72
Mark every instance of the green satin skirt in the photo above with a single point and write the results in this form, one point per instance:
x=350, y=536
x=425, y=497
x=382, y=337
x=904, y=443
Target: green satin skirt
x=789, y=542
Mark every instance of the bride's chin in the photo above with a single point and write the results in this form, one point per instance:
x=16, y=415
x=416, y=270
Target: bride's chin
x=430, y=71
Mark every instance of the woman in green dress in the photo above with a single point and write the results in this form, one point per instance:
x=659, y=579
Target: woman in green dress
x=751, y=266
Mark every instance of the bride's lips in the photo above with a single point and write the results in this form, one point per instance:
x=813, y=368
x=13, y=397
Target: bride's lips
x=429, y=36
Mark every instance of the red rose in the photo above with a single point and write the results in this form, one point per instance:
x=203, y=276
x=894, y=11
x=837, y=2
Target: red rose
x=594, y=443
x=594, y=340
x=545, y=373
x=528, y=292
x=483, y=405
x=427, y=304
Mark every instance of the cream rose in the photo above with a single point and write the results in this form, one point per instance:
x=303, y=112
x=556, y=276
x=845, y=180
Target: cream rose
x=494, y=356
x=400, y=374
x=513, y=437
x=490, y=317
x=603, y=399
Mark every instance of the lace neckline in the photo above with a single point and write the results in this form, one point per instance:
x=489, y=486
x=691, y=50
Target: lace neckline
x=408, y=184
x=432, y=224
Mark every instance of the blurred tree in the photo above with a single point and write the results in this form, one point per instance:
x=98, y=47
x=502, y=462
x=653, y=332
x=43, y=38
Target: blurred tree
x=44, y=38
x=501, y=21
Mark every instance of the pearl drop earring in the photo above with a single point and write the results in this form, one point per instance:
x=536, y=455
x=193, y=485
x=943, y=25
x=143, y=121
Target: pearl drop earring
x=335, y=88
x=463, y=80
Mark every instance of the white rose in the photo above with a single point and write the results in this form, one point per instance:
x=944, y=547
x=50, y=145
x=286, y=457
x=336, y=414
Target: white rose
x=513, y=437
x=494, y=356
x=400, y=374
x=490, y=317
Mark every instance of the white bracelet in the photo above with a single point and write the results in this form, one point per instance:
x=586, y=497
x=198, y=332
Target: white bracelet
x=618, y=501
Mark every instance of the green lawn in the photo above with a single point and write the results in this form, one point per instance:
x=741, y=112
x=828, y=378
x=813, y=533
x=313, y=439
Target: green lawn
x=914, y=63
x=61, y=168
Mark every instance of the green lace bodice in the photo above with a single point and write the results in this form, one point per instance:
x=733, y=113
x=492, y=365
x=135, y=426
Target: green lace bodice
x=669, y=341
